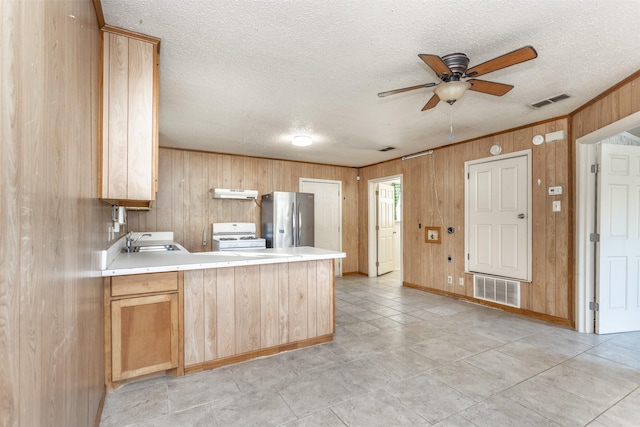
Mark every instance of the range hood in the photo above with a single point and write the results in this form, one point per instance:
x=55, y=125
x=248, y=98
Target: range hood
x=227, y=193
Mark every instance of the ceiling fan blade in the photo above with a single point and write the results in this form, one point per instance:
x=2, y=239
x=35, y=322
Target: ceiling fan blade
x=432, y=102
x=508, y=59
x=406, y=89
x=436, y=63
x=497, y=89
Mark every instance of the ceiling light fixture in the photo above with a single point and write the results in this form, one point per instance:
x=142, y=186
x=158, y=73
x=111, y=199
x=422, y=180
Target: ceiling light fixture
x=450, y=92
x=301, y=140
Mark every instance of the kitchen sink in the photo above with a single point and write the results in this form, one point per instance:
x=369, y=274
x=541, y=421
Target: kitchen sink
x=155, y=248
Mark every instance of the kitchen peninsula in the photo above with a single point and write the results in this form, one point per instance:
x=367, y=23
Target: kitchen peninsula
x=186, y=312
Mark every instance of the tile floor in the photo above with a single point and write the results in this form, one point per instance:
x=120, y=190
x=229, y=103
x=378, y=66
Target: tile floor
x=402, y=357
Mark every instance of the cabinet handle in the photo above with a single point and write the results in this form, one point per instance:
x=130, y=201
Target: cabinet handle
x=204, y=237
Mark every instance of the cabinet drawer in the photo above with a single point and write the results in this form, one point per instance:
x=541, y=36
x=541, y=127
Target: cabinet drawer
x=144, y=283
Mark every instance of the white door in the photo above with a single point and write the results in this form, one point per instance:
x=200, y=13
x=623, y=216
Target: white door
x=618, y=253
x=384, y=228
x=497, y=217
x=327, y=215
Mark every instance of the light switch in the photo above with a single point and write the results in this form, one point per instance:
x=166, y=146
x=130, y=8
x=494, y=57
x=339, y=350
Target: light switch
x=556, y=205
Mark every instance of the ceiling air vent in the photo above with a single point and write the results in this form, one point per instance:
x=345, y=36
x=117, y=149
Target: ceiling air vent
x=387, y=149
x=548, y=101
x=559, y=97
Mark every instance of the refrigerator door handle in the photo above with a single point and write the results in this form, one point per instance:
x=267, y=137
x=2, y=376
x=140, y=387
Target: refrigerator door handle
x=293, y=223
x=299, y=225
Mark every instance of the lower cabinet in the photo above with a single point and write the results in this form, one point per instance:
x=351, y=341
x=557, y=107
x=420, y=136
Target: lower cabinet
x=143, y=331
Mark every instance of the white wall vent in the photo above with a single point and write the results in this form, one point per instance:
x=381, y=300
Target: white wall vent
x=495, y=289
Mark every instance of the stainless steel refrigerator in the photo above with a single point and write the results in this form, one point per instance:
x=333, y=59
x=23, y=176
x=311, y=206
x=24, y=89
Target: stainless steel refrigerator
x=287, y=219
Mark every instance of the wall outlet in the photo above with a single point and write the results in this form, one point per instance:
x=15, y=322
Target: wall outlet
x=450, y=280
x=461, y=281
x=556, y=206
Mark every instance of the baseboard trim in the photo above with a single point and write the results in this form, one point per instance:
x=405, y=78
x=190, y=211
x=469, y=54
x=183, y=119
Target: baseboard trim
x=355, y=273
x=532, y=314
x=100, y=407
x=224, y=361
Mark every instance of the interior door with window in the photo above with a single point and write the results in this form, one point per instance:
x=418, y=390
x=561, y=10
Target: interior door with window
x=384, y=227
x=618, y=252
x=497, y=210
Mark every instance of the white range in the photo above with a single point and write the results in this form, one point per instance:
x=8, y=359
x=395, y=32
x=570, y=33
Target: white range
x=232, y=236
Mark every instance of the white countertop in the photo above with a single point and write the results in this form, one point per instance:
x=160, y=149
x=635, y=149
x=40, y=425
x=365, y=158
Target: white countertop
x=157, y=262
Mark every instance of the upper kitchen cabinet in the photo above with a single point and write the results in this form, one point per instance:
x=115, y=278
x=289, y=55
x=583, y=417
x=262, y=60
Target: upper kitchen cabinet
x=129, y=126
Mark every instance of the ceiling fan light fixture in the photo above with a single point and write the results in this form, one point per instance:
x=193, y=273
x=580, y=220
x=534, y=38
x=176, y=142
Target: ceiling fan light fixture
x=301, y=140
x=450, y=92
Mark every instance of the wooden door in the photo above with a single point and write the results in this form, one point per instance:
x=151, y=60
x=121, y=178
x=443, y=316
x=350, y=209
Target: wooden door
x=618, y=252
x=144, y=335
x=384, y=228
x=498, y=210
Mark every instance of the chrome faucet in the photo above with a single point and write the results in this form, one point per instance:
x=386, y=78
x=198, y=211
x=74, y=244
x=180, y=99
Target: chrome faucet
x=129, y=241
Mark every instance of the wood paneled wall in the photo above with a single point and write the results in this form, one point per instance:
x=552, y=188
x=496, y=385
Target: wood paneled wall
x=433, y=195
x=184, y=204
x=238, y=310
x=616, y=103
x=51, y=362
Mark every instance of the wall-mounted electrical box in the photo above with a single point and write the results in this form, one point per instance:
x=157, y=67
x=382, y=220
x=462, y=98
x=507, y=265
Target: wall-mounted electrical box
x=554, y=136
x=555, y=191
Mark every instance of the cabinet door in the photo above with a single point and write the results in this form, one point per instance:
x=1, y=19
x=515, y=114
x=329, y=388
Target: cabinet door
x=140, y=121
x=144, y=335
x=115, y=115
x=129, y=118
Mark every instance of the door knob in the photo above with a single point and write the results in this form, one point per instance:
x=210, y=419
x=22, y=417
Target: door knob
x=522, y=216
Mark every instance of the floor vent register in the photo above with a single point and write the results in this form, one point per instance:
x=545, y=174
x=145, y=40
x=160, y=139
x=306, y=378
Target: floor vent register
x=498, y=290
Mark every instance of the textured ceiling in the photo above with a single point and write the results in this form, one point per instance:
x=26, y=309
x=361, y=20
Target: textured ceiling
x=242, y=77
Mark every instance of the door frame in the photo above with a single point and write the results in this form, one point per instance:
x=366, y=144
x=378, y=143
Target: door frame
x=371, y=229
x=338, y=263
x=585, y=199
x=522, y=153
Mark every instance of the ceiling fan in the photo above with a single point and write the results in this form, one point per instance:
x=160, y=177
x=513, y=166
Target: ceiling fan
x=456, y=78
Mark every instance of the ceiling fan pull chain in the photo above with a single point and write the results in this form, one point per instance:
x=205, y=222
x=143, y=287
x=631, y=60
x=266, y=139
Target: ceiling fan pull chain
x=451, y=125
